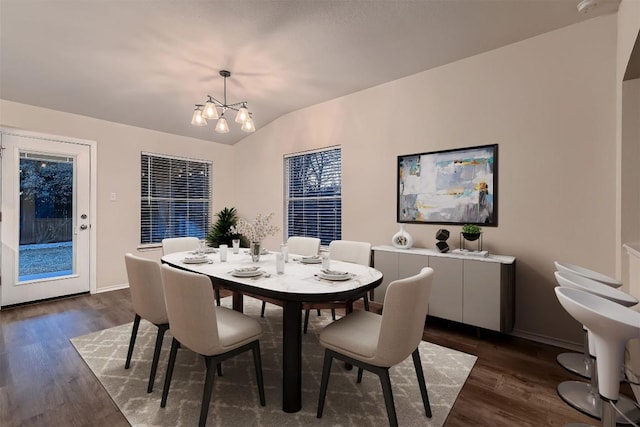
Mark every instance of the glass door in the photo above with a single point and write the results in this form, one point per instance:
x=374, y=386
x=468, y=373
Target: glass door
x=45, y=224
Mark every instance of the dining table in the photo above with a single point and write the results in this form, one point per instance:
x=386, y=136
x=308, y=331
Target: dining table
x=303, y=280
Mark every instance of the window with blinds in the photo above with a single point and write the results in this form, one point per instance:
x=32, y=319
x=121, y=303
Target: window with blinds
x=175, y=197
x=313, y=194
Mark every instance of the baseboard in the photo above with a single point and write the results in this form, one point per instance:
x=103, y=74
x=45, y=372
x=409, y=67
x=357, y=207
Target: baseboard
x=569, y=345
x=112, y=288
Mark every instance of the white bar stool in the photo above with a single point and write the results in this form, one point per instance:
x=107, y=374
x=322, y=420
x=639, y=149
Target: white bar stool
x=580, y=363
x=589, y=274
x=581, y=395
x=610, y=326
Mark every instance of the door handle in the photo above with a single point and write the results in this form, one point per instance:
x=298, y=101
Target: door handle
x=83, y=227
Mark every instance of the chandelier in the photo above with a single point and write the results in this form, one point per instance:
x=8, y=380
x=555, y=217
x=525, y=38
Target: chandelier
x=209, y=111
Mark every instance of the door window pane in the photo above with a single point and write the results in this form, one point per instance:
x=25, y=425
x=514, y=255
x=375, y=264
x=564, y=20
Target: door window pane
x=46, y=216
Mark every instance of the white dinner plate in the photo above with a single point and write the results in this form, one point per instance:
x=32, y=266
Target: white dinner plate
x=311, y=260
x=206, y=251
x=195, y=260
x=336, y=277
x=246, y=273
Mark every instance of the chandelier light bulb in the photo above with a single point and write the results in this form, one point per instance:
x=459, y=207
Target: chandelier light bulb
x=198, y=119
x=222, y=126
x=243, y=114
x=210, y=111
x=248, y=126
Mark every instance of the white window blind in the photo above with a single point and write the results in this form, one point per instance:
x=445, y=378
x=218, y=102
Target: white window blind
x=313, y=194
x=175, y=197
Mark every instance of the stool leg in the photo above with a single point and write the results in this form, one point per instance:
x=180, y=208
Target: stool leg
x=608, y=413
x=585, y=398
x=577, y=363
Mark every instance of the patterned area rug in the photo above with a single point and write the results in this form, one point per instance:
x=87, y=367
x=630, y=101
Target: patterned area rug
x=235, y=398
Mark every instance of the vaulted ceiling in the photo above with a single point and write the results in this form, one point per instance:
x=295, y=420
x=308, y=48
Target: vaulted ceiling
x=146, y=63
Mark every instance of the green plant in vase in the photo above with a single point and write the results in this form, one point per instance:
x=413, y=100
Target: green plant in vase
x=471, y=232
x=221, y=233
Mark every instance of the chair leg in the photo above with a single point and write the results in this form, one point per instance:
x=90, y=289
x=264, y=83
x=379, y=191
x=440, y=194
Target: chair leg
x=306, y=320
x=257, y=361
x=423, y=386
x=208, y=390
x=132, y=341
x=366, y=302
x=360, y=370
x=318, y=310
x=156, y=355
x=175, y=345
x=326, y=370
x=333, y=313
x=385, y=381
x=217, y=294
x=219, y=369
x=264, y=305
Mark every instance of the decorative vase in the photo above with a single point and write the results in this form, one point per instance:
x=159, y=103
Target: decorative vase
x=255, y=249
x=402, y=239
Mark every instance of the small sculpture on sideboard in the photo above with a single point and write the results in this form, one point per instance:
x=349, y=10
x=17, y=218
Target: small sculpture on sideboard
x=441, y=236
x=402, y=239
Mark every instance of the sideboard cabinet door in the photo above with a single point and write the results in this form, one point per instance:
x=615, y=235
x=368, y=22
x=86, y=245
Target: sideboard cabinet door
x=446, y=291
x=387, y=263
x=411, y=264
x=481, y=299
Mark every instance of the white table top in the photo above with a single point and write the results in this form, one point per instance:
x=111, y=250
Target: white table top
x=298, y=278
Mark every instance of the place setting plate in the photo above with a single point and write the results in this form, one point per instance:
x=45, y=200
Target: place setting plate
x=196, y=260
x=311, y=260
x=334, y=275
x=206, y=250
x=246, y=272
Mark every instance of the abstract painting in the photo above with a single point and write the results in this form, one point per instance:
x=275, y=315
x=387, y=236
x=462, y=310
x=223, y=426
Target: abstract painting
x=456, y=186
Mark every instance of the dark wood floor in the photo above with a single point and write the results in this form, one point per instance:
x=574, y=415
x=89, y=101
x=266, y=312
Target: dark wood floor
x=44, y=382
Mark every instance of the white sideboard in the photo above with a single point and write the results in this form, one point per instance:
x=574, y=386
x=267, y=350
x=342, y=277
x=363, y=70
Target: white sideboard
x=478, y=291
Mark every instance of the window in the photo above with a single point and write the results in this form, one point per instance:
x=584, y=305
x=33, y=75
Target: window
x=175, y=197
x=313, y=195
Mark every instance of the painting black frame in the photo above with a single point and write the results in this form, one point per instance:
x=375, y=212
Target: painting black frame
x=490, y=161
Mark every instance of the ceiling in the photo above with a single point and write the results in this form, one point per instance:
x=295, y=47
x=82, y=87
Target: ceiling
x=146, y=63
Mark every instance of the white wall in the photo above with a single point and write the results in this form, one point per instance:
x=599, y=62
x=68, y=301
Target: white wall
x=119, y=147
x=550, y=104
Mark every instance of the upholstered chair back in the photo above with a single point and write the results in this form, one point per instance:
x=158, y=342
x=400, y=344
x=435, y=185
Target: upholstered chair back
x=145, y=285
x=192, y=311
x=305, y=246
x=405, y=310
x=350, y=251
x=179, y=244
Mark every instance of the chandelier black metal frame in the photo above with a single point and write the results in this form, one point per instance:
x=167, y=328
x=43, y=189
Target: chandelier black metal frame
x=209, y=111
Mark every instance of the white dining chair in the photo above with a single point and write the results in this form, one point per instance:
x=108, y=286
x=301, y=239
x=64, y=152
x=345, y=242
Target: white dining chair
x=296, y=245
x=147, y=300
x=216, y=333
x=172, y=245
x=179, y=244
x=303, y=246
x=346, y=251
x=376, y=342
